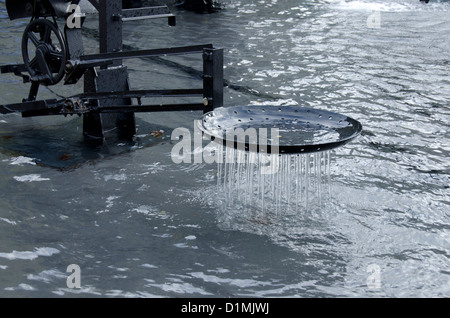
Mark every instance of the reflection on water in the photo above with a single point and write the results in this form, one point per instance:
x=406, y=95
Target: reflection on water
x=139, y=225
x=63, y=146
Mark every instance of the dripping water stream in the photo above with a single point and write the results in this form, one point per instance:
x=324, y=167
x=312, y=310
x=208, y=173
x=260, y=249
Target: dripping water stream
x=294, y=183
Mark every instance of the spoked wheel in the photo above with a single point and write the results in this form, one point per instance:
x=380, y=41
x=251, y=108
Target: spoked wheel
x=44, y=52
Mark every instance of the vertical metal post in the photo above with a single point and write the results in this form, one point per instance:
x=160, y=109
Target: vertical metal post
x=33, y=92
x=74, y=41
x=212, y=78
x=113, y=78
x=110, y=26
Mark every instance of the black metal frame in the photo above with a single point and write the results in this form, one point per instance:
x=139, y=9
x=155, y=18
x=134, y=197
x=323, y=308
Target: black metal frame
x=107, y=101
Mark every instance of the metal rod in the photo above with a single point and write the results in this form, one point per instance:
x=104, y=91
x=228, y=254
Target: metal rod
x=28, y=106
x=57, y=109
x=146, y=53
x=145, y=13
x=150, y=108
x=142, y=94
x=155, y=16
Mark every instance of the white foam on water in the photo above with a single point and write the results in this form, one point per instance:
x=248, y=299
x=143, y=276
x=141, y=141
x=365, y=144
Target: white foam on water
x=21, y=287
x=89, y=290
x=175, y=285
x=373, y=6
x=278, y=102
x=21, y=160
x=110, y=201
x=149, y=266
x=8, y=221
x=31, y=178
x=151, y=212
x=47, y=276
x=30, y=255
x=115, y=177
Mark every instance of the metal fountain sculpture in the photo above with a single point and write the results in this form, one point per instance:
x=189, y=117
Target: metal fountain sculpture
x=51, y=56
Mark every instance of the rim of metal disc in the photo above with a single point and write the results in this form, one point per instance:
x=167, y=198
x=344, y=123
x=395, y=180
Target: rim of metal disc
x=216, y=123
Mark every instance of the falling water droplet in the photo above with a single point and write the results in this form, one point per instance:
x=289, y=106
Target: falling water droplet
x=273, y=184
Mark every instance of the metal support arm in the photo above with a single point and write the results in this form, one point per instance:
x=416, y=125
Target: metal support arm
x=76, y=68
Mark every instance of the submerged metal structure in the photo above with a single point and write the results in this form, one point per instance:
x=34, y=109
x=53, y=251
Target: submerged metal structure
x=108, y=103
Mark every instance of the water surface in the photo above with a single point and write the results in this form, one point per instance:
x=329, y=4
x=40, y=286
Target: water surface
x=139, y=225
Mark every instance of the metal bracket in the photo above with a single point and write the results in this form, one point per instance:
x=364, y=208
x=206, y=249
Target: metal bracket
x=212, y=78
x=18, y=70
x=146, y=13
x=76, y=68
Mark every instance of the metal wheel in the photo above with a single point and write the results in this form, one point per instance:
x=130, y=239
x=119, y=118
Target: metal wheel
x=44, y=52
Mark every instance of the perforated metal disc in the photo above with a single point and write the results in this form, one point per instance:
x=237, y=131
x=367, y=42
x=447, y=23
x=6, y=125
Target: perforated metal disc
x=300, y=129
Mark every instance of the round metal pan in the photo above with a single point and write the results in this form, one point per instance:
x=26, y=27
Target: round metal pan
x=297, y=129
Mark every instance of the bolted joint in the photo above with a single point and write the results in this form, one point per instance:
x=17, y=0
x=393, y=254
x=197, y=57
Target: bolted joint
x=207, y=56
x=68, y=67
x=117, y=17
x=207, y=101
x=73, y=106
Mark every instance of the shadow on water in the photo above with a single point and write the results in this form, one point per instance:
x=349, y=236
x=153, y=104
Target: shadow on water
x=64, y=147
